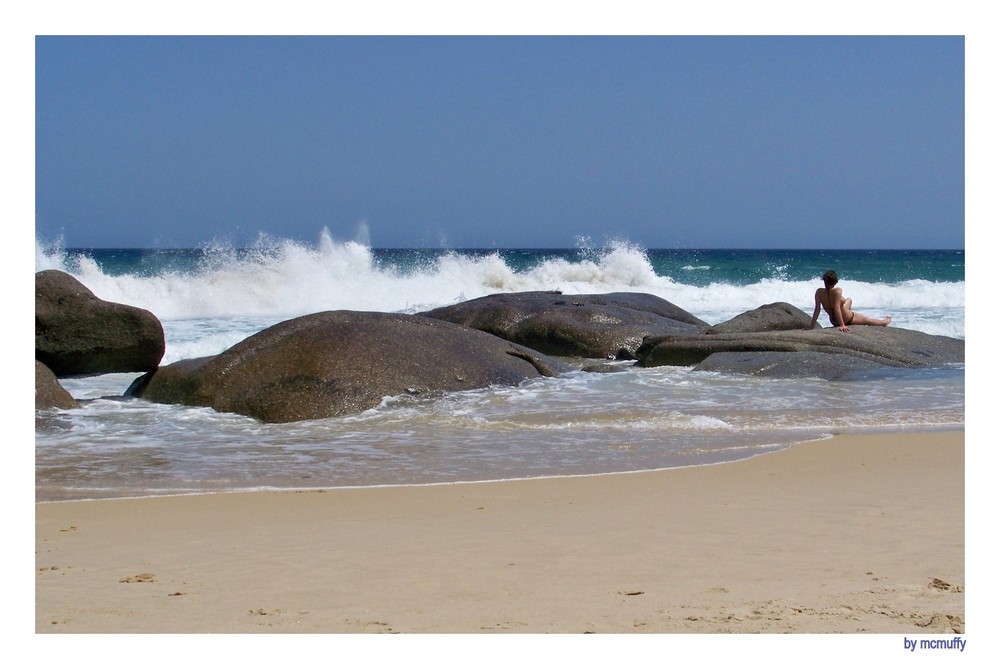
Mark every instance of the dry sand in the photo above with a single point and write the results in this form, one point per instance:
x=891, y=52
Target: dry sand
x=856, y=534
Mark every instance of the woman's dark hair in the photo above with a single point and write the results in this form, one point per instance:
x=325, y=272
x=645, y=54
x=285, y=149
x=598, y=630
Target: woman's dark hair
x=830, y=278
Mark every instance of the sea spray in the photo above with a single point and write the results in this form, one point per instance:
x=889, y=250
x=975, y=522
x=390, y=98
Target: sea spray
x=276, y=279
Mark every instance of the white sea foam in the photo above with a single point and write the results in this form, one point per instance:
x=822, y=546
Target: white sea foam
x=278, y=279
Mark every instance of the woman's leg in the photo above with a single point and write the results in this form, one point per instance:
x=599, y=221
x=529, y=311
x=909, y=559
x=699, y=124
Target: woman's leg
x=861, y=319
x=845, y=311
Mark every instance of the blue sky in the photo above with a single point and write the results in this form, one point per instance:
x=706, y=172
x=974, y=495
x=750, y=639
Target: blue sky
x=751, y=142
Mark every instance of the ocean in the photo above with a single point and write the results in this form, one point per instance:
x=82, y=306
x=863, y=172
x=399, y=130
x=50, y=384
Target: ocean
x=210, y=298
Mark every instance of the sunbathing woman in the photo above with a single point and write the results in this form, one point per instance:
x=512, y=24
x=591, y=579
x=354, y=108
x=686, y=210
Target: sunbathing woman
x=838, y=308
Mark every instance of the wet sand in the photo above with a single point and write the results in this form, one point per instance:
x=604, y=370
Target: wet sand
x=856, y=534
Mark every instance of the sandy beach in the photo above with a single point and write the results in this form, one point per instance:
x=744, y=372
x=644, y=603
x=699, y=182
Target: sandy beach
x=856, y=534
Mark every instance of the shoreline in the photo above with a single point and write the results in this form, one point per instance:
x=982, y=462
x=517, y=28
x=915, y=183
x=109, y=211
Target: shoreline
x=540, y=477
x=815, y=538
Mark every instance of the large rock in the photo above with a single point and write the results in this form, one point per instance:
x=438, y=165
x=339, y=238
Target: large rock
x=782, y=365
x=588, y=326
x=767, y=318
x=862, y=347
x=48, y=393
x=79, y=334
x=342, y=362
